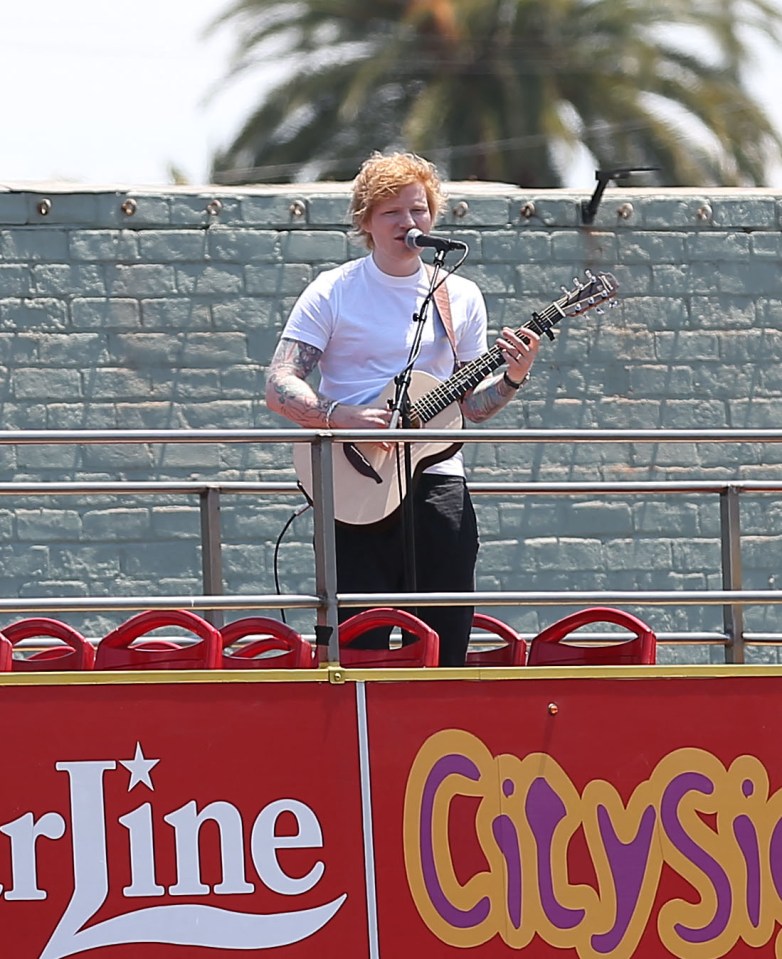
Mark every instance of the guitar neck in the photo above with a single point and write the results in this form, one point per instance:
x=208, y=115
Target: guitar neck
x=583, y=296
x=471, y=374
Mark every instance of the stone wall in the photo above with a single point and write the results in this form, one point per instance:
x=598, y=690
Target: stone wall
x=131, y=309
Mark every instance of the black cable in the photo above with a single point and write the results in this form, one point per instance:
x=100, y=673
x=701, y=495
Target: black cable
x=291, y=518
x=303, y=509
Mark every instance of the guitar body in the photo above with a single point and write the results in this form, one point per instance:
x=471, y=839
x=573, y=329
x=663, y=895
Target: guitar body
x=370, y=491
x=362, y=500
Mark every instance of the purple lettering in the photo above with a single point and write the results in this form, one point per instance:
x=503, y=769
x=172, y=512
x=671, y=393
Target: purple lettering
x=628, y=862
x=669, y=808
x=747, y=838
x=545, y=810
x=507, y=838
x=775, y=857
x=451, y=765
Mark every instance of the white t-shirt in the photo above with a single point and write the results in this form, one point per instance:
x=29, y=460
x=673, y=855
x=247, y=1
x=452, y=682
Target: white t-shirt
x=362, y=321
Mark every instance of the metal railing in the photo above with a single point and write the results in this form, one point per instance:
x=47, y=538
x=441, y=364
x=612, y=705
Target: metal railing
x=325, y=600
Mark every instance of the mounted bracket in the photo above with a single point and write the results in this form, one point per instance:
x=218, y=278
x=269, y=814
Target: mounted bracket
x=589, y=207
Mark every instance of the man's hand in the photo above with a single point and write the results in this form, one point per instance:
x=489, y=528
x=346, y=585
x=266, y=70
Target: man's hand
x=519, y=350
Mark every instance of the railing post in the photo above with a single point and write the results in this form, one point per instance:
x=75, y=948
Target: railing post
x=733, y=615
x=211, y=550
x=322, y=452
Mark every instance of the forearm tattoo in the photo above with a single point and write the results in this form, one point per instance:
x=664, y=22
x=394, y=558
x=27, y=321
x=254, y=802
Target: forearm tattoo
x=488, y=398
x=287, y=391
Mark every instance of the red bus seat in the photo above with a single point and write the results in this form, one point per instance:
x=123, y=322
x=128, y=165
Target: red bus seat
x=548, y=648
x=119, y=649
x=73, y=653
x=6, y=655
x=291, y=650
x=424, y=650
x=512, y=652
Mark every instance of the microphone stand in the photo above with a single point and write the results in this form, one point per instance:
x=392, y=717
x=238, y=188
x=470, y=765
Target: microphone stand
x=401, y=407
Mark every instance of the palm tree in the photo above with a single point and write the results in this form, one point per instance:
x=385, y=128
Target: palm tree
x=502, y=89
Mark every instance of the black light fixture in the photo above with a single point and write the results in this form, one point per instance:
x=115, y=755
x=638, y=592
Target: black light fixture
x=589, y=207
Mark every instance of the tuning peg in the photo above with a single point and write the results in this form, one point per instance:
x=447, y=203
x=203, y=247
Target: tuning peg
x=589, y=274
x=613, y=305
x=564, y=289
x=599, y=310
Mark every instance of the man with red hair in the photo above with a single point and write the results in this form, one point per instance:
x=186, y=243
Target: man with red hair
x=356, y=324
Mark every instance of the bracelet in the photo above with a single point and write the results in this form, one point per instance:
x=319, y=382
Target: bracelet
x=330, y=413
x=513, y=385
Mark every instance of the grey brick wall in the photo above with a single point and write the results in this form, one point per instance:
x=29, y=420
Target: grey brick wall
x=130, y=309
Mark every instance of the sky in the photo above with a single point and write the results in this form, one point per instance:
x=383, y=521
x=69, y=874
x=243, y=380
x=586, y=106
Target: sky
x=114, y=92
x=106, y=92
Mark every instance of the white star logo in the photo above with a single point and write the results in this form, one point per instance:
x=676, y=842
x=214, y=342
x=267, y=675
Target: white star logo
x=139, y=768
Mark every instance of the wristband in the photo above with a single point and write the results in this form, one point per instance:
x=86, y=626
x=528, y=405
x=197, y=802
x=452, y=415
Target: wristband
x=330, y=413
x=509, y=382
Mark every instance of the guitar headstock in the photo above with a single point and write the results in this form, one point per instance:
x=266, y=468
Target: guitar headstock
x=587, y=294
x=593, y=291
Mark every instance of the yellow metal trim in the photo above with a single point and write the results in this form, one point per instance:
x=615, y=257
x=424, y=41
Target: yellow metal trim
x=338, y=675
x=534, y=673
x=163, y=676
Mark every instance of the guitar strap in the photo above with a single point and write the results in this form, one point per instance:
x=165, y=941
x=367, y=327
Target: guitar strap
x=443, y=303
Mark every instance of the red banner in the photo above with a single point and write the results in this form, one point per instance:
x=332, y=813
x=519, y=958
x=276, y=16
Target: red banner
x=565, y=818
x=586, y=818
x=142, y=818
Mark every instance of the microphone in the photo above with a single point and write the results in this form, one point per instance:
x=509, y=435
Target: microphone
x=415, y=239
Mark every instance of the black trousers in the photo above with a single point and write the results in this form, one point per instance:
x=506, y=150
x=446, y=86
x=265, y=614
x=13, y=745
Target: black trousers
x=373, y=560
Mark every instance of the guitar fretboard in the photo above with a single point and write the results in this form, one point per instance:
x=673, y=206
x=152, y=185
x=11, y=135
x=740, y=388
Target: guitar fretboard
x=474, y=372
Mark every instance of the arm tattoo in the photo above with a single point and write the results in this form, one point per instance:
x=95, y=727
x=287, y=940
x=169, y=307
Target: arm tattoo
x=488, y=398
x=287, y=391
x=295, y=357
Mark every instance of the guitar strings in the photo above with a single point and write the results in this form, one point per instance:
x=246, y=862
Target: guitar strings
x=471, y=374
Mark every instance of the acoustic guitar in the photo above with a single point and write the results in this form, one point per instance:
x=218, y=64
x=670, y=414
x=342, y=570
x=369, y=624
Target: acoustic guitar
x=369, y=482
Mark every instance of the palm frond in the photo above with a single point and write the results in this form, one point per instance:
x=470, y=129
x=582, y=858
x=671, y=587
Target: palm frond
x=487, y=85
